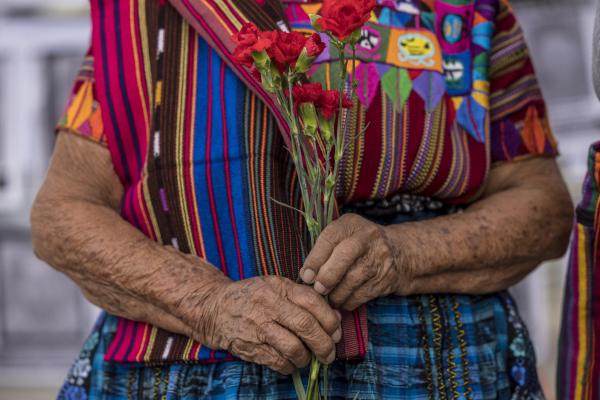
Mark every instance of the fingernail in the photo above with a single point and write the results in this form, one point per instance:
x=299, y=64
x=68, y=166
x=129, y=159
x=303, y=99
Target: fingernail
x=308, y=275
x=320, y=288
x=330, y=357
x=337, y=335
x=339, y=314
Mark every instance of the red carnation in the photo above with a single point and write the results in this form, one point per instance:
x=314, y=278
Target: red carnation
x=273, y=36
x=329, y=102
x=242, y=57
x=342, y=17
x=242, y=54
x=288, y=46
x=256, y=74
x=308, y=93
x=247, y=36
x=314, y=46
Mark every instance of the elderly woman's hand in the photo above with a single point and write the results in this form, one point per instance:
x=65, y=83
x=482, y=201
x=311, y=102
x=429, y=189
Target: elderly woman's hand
x=354, y=261
x=523, y=218
x=266, y=320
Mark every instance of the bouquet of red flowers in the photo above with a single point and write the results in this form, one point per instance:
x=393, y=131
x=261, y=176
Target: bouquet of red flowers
x=279, y=59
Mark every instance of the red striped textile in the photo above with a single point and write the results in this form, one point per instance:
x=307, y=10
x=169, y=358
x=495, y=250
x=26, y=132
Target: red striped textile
x=578, y=371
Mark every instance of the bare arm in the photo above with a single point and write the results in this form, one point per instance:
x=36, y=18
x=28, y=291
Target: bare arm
x=523, y=218
x=77, y=229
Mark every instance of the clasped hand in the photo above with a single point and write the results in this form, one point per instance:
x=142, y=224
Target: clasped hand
x=354, y=261
x=273, y=321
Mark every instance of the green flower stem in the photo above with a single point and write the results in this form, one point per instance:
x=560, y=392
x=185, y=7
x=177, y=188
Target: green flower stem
x=315, y=366
x=353, y=71
x=325, y=381
x=317, y=182
x=318, y=189
x=352, y=94
x=297, y=146
x=328, y=190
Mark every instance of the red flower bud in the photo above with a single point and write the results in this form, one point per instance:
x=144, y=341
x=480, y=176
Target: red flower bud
x=329, y=102
x=256, y=74
x=314, y=46
x=242, y=54
x=342, y=17
x=247, y=36
x=308, y=93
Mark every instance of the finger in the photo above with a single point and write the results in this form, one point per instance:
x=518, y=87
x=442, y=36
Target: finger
x=359, y=297
x=263, y=355
x=353, y=281
x=342, y=258
x=288, y=345
x=308, y=329
x=333, y=234
x=309, y=300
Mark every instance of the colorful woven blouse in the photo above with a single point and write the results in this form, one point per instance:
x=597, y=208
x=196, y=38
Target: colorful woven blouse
x=578, y=371
x=448, y=90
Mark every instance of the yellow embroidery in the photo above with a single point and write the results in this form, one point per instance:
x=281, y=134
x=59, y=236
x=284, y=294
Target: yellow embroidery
x=414, y=49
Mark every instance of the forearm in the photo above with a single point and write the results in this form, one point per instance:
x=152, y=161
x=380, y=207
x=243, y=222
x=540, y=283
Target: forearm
x=494, y=244
x=116, y=266
x=76, y=229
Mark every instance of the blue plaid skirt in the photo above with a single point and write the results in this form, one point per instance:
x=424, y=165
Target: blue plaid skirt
x=420, y=347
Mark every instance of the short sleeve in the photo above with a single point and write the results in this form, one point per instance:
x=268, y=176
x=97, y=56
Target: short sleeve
x=519, y=126
x=82, y=114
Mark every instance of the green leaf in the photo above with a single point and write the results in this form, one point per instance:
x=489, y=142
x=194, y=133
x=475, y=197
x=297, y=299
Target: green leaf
x=357, y=136
x=285, y=205
x=298, y=385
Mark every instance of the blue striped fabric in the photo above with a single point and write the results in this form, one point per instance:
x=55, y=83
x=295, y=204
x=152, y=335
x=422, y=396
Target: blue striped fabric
x=394, y=368
x=427, y=346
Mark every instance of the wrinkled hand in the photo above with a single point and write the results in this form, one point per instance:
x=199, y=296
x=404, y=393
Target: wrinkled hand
x=267, y=320
x=354, y=261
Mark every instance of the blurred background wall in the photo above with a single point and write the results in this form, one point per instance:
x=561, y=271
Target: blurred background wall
x=43, y=317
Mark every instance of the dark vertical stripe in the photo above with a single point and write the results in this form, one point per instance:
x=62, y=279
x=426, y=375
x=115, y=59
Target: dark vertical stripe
x=226, y=166
x=122, y=323
x=133, y=335
x=209, y=127
x=242, y=122
x=132, y=211
x=111, y=106
x=124, y=88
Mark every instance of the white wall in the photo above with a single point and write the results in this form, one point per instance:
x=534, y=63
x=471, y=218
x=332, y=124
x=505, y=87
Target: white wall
x=43, y=3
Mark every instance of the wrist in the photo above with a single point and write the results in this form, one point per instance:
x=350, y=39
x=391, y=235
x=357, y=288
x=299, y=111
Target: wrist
x=189, y=290
x=406, y=259
x=202, y=311
x=201, y=304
